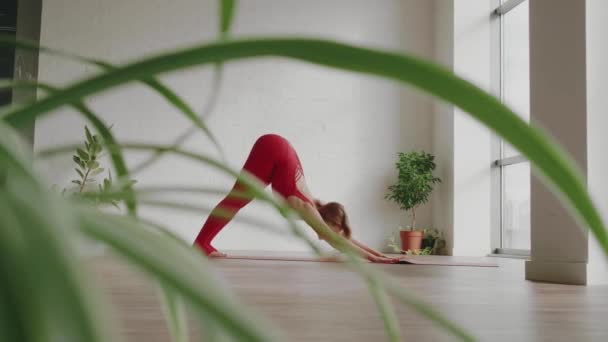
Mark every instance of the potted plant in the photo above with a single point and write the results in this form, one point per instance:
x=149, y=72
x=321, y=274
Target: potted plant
x=432, y=243
x=414, y=184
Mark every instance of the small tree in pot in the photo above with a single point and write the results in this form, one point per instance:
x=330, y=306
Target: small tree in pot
x=414, y=185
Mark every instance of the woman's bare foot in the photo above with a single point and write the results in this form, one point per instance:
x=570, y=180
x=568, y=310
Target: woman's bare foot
x=216, y=254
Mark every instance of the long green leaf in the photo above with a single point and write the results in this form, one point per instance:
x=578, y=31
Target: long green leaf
x=183, y=269
x=392, y=286
x=180, y=104
x=173, y=305
x=13, y=155
x=211, y=331
x=264, y=225
x=386, y=309
x=70, y=323
x=258, y=192
x=374, y=279
x=174, y=312
x=210, y=104
x=156, y=189
x=389, y=323
x=423, y=308
x=14, y=307
x=252, y=183
x=143, y=195
x=227, y=12
x=545, y=155
x=152, y=82
x=63, y=308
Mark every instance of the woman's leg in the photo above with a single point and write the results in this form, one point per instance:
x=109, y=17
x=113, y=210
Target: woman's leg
x=220, y=216
x=260, y=163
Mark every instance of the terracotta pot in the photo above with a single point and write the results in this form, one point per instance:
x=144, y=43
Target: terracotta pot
x=410, y=240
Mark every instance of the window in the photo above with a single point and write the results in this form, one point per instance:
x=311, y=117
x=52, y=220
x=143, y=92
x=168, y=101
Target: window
x=513, y=182
x=8, y=22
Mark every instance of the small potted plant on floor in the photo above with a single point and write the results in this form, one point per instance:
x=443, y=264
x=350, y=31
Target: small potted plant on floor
x=432, y=243
x=414, y=185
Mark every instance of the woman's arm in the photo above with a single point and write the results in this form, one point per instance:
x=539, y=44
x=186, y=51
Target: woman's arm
x=312, y=217
x=368, y=249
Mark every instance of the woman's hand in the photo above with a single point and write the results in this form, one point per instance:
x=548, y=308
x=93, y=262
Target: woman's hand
x=371, y=251
x=387, y=256
x=382, y=260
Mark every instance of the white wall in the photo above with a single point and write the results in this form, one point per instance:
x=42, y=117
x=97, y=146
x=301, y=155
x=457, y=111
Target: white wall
x=347, y=128
x=463, y=146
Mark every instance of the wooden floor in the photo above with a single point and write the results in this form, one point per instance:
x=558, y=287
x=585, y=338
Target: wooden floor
x=309, y=301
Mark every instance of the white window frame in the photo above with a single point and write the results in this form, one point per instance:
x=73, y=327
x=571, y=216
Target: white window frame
x=500, y=162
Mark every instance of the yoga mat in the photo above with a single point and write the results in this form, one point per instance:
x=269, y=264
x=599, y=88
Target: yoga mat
x=434, y=260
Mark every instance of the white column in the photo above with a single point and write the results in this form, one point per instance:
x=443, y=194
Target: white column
x=443, y=126
x=472, y=141
x=558, y=104
x=462, y=146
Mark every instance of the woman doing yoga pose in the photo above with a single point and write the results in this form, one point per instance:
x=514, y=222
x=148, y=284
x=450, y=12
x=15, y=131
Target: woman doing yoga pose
x=274, y=161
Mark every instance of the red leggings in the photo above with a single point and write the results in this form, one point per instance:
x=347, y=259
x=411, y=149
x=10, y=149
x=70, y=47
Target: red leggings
x=272, y=160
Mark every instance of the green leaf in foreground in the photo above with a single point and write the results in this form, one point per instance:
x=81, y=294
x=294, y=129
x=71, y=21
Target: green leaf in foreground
x=210, y=104
x=182, y=269
x=551, y=161
x=373, y=279
x=175, y=313
x=35, y=227
x=227, y=12
x=155, y=84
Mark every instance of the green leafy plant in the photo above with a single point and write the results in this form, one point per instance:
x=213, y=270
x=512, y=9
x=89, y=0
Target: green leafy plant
x=35, y=226
x=433, y=239
x=423, y=251
x=415, y=182
x=88, y=159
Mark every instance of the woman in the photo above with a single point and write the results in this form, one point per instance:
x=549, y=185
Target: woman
x=274, y=161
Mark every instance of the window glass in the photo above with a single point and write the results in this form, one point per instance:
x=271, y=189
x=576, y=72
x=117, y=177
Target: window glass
x=516, y=206
x=516, y=65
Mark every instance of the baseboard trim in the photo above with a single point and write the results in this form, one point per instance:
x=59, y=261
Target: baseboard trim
x=559, y=272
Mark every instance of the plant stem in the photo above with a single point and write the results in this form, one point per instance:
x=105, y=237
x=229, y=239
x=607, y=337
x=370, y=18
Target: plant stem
x=84, y=180
x=413, y=218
